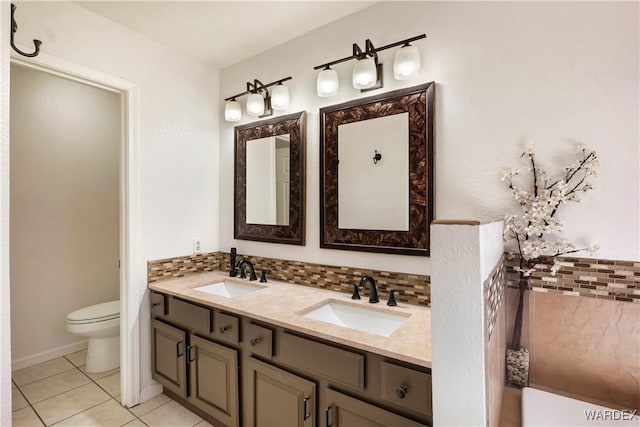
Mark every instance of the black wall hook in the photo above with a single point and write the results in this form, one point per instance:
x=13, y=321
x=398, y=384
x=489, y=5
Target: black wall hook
x=377, y=157
x=14, y=28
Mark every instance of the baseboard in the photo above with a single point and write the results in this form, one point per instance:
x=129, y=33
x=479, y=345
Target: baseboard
x=150, y=392
x=25, y=362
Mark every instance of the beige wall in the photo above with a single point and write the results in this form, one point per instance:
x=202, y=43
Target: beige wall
x=65, y=142
x=507, y=74
x=176, y=164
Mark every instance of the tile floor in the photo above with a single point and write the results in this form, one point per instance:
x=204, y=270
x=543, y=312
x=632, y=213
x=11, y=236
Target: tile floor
x=60, y=393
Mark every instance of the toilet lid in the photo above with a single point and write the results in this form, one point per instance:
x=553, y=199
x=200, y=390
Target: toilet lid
x=99, y=312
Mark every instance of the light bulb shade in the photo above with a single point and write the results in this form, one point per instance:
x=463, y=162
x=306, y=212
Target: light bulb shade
x=406, y=63
x=255, y=105
x=327, y=84
x=232, y=111
x=280, y=97
x=364, y=73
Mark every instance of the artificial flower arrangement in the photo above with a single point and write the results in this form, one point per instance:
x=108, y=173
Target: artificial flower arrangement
x=534, y=233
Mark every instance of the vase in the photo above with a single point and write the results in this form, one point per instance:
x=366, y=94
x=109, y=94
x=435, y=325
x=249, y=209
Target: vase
x=518, y=367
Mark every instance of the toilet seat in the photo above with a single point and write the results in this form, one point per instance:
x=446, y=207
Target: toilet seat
x=95, y=313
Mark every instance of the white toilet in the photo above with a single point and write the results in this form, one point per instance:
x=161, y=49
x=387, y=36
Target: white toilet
x=101, y=324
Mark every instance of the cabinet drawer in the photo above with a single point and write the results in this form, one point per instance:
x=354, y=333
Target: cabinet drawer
x=260, y=340
x=157, y=301
x=345, y=411
x=340, y=366
x=190, y=315
x=226, y=327
x=405, y=387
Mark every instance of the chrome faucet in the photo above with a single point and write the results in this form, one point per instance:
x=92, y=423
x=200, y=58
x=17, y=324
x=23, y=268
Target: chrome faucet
x=252, y=270
x=373, y=292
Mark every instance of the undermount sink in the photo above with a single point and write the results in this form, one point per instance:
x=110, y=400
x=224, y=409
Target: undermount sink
x=352, y=316
x=229, y=289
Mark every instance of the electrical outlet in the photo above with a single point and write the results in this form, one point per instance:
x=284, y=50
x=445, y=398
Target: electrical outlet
x=197, y=246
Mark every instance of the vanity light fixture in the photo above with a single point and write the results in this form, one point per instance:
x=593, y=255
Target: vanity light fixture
x=406, y=62
x=256, y=104
x=367, y=72
x=260, y=102
x=280, y=97
x=327, y=84
x=232, y=111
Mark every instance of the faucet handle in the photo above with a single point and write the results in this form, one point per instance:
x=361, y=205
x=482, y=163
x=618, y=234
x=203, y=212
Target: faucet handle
x=263, y=276
x=392, y=298
x=356, y=294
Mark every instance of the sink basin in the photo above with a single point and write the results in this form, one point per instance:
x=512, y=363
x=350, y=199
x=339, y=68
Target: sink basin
x=364, y=319
x=229, y=289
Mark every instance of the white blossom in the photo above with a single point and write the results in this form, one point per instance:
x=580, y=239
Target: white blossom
x=555, y=267
x=525, y=272
x=540, y=203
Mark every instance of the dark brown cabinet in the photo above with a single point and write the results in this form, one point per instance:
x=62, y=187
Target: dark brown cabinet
x=201, y=355
x=341, y=410
x=169, y=365
x=212, y=370
x=276, y=398
x=214, y=379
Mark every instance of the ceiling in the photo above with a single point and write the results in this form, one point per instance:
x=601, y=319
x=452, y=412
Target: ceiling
x=223, y=33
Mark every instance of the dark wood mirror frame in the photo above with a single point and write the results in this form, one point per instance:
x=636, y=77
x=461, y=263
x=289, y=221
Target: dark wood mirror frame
x=418, y=102
x=294, y=233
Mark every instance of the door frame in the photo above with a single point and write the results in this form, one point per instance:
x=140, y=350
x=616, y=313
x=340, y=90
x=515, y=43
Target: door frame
x=131, y=276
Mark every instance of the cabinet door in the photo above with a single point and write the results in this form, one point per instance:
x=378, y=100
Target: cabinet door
x=168, y=360
x=214, y=379
x=276, y=398
x=344, y=411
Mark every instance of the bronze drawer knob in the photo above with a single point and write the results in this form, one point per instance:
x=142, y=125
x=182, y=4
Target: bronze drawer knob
x=401, y=391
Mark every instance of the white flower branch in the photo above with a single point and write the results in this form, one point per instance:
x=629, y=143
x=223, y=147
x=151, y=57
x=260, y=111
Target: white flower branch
x=539, y=206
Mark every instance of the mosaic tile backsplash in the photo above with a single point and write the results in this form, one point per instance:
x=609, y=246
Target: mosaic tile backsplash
x=493, y=294
x=416, y=287
x=595, y=278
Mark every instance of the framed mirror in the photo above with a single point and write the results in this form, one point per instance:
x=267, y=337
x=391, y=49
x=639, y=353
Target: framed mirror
x=376, y=173
x=269, y=183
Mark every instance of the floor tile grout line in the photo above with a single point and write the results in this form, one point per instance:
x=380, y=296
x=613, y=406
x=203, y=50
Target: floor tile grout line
x=73, y=415
x=44, y=378
x=102, y=388
x=151, y=410
x=72, y=362
x=91, y=380
x=30, y=406
x=74, y=388
x=135, y=417
x=86, y=409
x=55, y=395
x=91, y=407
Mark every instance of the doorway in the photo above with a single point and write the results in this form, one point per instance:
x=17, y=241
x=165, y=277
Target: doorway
x=129, y=277
x=64, y=209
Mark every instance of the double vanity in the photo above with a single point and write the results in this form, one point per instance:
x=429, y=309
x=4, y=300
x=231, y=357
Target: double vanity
x=241, y=352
